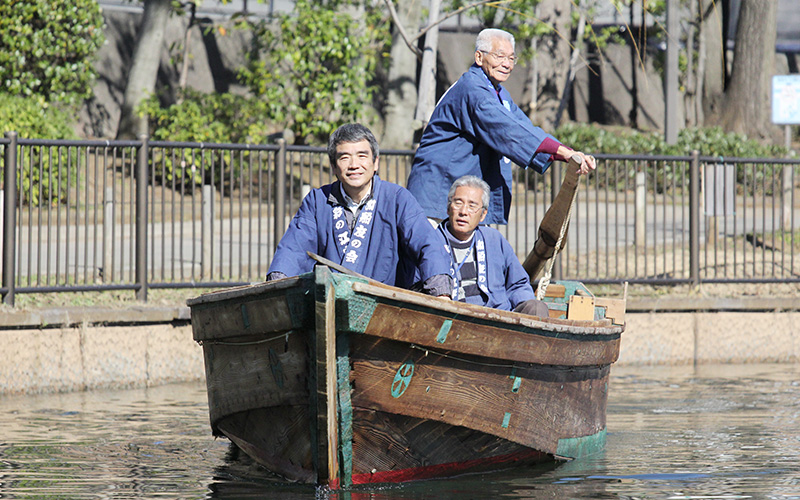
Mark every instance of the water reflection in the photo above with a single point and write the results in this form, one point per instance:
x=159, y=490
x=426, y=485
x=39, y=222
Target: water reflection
x=673, y=432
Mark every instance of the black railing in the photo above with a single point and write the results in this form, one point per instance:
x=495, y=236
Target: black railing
x=139, y=215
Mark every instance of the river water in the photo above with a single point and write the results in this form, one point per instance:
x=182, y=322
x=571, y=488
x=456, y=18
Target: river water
x=678, y=433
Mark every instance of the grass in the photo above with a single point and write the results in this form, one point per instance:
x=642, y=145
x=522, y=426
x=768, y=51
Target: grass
x=120, y=299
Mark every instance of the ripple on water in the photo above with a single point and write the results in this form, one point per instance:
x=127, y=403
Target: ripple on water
x=673, y=432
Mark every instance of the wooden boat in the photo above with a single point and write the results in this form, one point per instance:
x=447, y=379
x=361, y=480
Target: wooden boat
x=333, y=379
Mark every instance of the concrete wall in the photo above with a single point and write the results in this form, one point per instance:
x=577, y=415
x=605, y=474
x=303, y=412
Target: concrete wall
x=89, y=357
x=96, y=348
x=155, y=347
x=678, y=338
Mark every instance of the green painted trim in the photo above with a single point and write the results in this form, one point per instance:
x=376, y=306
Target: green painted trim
x=506, y=420
x=581, y=446
x=345, y=411
x=516, y=384
x=353, y=311
x=245, y=318
x=402, y=379
x=444, y=330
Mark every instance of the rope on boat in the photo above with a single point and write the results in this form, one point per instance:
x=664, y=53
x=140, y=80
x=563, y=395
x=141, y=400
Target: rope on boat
x=494, y=365
x=548, y=273
x=253, y=342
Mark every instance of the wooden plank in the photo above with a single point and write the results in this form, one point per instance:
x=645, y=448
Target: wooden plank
x=615, y=309
x=325, y=366
x=580, y=308
x=243, y=292
x=597, y=327
x=261, y=375
x=231, y=319
x=425, y=329
x=546, y=404
x=398, y=448
x=277, y=438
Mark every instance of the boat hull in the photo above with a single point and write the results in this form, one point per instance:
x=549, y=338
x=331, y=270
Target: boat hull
x=332, y=379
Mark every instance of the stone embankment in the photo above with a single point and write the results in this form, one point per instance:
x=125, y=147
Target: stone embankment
x=83, y=348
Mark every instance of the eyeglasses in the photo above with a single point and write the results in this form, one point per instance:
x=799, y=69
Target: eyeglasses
x=502, y=58
x=470, y=207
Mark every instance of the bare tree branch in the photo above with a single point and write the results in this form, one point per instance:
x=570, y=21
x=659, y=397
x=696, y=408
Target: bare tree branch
x=401, y=29
x=410, y=41
x=455, y=13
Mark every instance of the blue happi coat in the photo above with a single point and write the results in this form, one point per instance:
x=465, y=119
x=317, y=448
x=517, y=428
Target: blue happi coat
x=396, y=233
x=503, y=282
x=474, y=130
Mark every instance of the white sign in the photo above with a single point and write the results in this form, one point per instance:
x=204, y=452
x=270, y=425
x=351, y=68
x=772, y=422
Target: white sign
x=786, y=99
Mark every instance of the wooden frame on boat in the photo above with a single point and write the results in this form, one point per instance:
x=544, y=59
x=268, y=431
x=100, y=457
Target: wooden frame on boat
x=333, y=379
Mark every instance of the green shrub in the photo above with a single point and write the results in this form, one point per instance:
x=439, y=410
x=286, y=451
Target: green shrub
x=209, y=118
x=708, y=141
x=32, y=120
x=316, y=69
x=47, y=47
x=200, y=117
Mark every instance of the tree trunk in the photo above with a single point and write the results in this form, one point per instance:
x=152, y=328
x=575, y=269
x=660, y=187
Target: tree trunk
x=427, y=76
x=401, y=86
x=711, y=72
x=690, y=95
x=577, y=44
x=144, y=69
x=552, y=57
x=187, y=38
x=530, y=89
x=748, y=96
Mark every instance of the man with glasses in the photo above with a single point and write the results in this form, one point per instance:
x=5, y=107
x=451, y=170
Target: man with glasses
x=370, y=226
x=476, y=129
x=483, y=266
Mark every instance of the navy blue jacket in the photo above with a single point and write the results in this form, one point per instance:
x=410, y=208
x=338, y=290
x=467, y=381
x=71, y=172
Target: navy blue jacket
x=400, y=234
x=508, y=284
x=474, y=131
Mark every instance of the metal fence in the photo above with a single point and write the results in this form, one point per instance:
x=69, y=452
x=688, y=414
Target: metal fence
x=139, y=215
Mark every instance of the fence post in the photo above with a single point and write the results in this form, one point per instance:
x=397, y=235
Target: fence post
x=2, y=212
x=141, y=218
x=280, y=193
x=10, y=219
x=694, y=219
x=108, y=227
x=205, y=231
x=640, y=215
x=787, y=187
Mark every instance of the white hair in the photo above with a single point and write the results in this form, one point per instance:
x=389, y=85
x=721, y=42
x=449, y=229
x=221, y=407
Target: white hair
x=473, y=182
x=484, y=41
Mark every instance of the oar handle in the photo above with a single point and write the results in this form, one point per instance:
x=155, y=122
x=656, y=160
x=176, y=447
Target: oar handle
x=338, y=267
x=554, y=220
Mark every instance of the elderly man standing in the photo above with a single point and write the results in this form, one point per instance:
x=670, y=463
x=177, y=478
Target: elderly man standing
x=476, y=129
x=368, y=225
x=483, y=266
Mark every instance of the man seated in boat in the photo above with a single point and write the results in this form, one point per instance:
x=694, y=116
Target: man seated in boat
x=483, y=266
x=370, y=226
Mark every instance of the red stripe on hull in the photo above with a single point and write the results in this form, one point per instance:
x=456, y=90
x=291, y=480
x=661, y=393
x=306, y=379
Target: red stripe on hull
x=452, y=468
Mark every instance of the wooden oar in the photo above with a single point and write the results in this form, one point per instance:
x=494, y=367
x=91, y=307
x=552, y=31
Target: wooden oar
x=338, y=267
x=553, y=221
